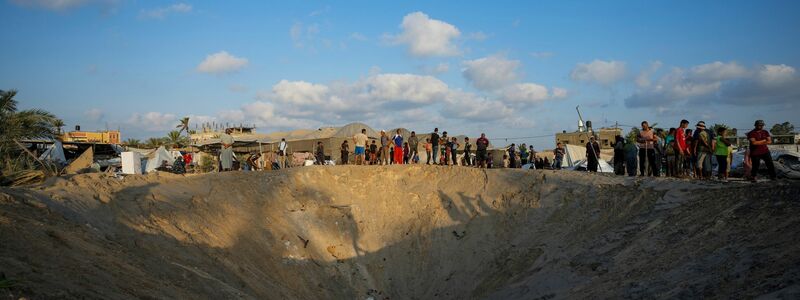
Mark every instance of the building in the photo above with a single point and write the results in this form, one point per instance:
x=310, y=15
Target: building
x=99, y=137
x=208, y=132
x=605, y=136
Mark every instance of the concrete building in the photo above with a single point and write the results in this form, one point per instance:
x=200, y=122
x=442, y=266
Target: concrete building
x=99, y=137
x=605, y=136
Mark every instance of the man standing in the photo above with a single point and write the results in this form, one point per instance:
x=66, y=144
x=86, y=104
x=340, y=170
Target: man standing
x=360, y=140
x=226, y=152
x=558, y=155
x=512, y=156
x=453, y=149
x=482, y=144
x=592, y=152
x=467, y=148
x=683, y=151
x=413, y=143
x=320, y=153
x=435, y=145
x=384, y=148
x=704, y=150
x=647, y=154
x=282, y=153
x=619, y=155
x=345, y=152
x=759, y=139
x=398, y=148
x=428, y=150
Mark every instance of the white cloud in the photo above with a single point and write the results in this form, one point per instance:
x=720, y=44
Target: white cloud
x=438, y=69
x=490, y=73
x=525, y=92
x=94, y=114
x=300, y=93
x=643, y=79
x=427, y=37
x=163, y=12
x=599, y=71
x=719, y=82
x=405, y=87
x=471, y=107
x=153, y=121
x=559, y=93
x=221, y=62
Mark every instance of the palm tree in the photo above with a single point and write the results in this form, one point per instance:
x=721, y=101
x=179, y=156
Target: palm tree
x=175, y=139
x=132, y=142
x=19, y=125
x=184, y=125
x=153, y=142
x=58, y=124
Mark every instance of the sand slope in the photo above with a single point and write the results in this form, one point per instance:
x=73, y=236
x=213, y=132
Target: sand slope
x=400, y=232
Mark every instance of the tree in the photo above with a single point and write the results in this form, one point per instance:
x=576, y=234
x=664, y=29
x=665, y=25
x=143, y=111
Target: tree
x=58, y=124
x=631, y=137
x=154, y=142
x=183, y=126
x=132, y=142
x=175, y=139
x=19, y=125
x=782, y=129
x=730, y=132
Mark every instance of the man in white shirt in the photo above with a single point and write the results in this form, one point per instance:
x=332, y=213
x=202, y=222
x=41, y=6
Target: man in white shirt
x=282, y=153
x=360, y=140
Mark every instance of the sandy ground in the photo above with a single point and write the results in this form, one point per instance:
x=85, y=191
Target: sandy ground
x=398, y=232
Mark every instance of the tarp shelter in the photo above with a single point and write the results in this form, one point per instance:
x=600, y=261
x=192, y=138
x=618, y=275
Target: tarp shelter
x=54, y=153
x=155, y=158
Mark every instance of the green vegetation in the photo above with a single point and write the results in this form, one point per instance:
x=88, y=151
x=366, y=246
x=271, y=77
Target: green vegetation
x=782, y=129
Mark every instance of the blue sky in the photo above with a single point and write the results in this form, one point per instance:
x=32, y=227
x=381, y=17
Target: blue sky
x=506, y=68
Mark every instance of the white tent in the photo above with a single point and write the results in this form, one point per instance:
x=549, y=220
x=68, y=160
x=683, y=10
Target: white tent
x=54, y=153
x=575, y=159
x=155, y=158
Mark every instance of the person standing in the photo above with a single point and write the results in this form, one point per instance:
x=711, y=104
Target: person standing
x=373, y=153
x=759, y=139
x=558, y=156
x=592, y=154
x=523, y=154
x=435, y=145
x=413, y=144
x=647, y=155
x=428, y=150
x=320, y=153
x=531, y=155
x=631, y=154
x=619, y=155
x=721, y=151
x=406, y=153
x=282, y=146
x=512, y=156
x=704, y=150
x=226, y=152
x=454, y=151
x=384, y=148
x=345, y=152
x=443, y=142
x=360, y=140
x=482, y=146
x=682, y=151
x=467, y=149
x=398, y=148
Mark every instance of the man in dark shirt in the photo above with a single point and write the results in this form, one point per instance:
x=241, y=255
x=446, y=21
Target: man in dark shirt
x=512, y=156
x=558, y=155
x=467, y=148
x=435, y=144
x=592, y=154
x=759, y=139
x=482, y=145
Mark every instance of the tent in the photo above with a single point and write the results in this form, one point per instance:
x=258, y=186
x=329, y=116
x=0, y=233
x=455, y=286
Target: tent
x=575, y=159
x=54, y=153
x=155, y=158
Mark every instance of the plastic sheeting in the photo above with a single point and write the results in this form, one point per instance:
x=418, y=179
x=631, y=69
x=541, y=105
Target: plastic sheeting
x=155, y=158
x=54, y=153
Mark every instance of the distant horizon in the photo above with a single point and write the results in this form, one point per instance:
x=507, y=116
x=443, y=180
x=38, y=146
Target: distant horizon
x=505, y=68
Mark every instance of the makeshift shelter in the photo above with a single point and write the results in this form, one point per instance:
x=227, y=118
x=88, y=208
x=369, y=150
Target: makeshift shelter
x=54, y=153
x=155, y=159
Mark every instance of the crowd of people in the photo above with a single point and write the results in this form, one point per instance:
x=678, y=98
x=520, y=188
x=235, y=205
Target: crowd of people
x=679, y=152
x=685, y=153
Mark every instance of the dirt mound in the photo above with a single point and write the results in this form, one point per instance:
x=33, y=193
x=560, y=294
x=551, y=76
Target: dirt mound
x=401, y=232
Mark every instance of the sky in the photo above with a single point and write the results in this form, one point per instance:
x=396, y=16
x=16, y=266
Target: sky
x=515, y=70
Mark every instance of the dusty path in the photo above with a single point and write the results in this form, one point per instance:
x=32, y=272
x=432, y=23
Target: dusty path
x=398, y=232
